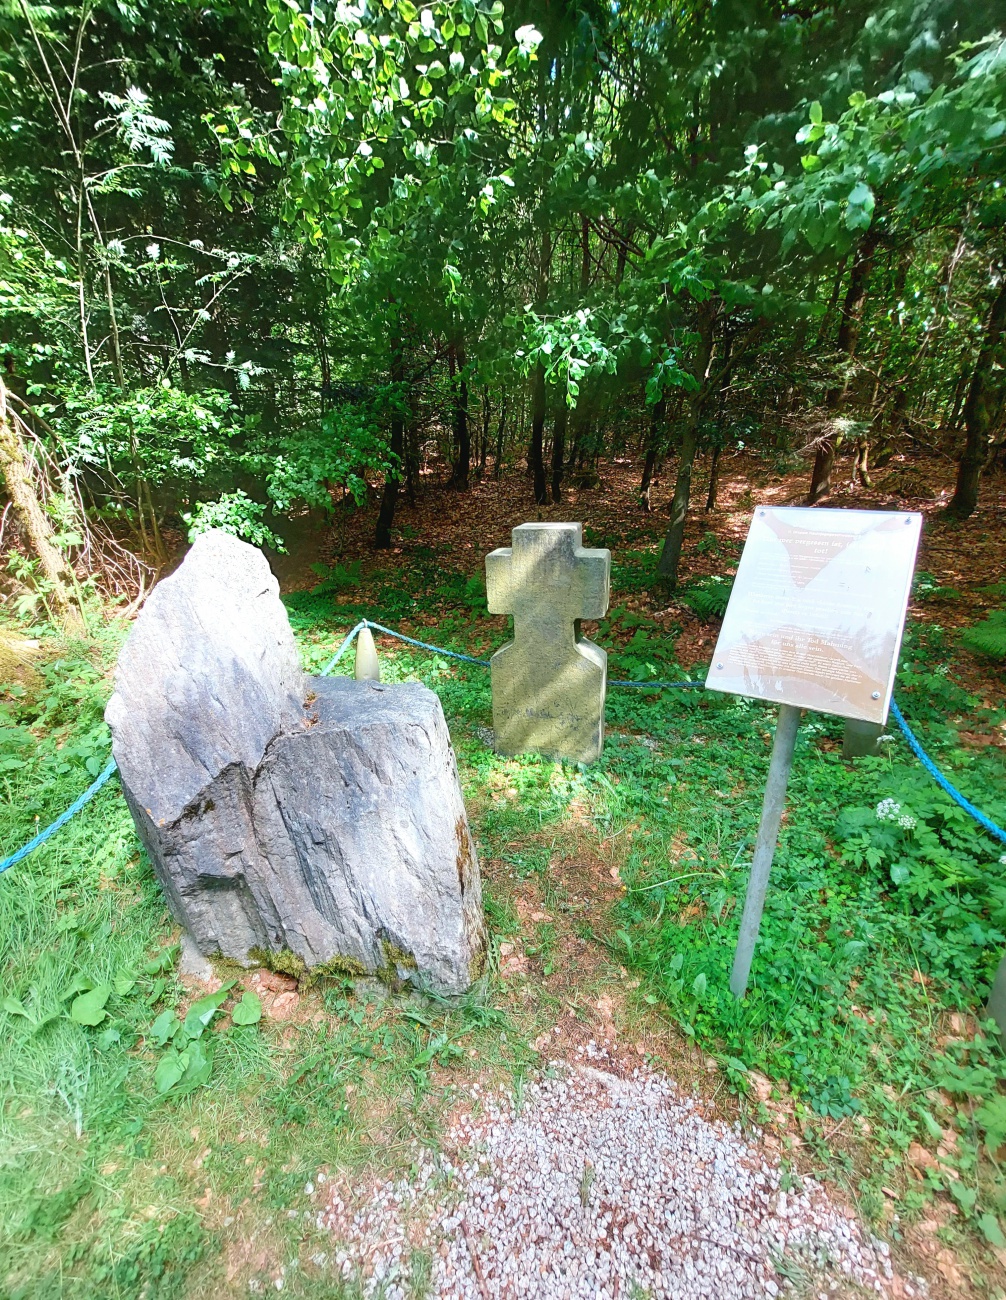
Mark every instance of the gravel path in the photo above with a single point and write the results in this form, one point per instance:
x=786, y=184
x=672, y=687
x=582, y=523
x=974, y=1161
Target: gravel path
x=601, y=1186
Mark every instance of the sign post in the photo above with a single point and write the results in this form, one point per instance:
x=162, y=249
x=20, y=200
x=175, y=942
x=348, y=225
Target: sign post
x=815, y=620
x=768, y=833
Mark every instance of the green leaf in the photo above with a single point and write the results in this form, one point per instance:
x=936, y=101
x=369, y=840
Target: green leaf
x=89, y=1008
x=699, y=985
x=170, y=1069
x=248, y=1011
x=202, y=1012
x=989, y=1225
x=964, y=1196
x=79, y=984
x=816, y=115
x=15, y=1007
x=199, y=1067
x=992, y=1118
x=163, y=1028
x=123, y=984
x=408, y=11
x=164, y=960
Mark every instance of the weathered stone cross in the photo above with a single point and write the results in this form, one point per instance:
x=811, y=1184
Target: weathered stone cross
x=548, y=683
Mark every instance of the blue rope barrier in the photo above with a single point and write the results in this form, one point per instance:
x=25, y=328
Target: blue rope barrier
x=60, y=821
x=913, y=743
x=470, y=659
x=941, y=780
x=671, y=686
x=343, y=648
x=425, y=645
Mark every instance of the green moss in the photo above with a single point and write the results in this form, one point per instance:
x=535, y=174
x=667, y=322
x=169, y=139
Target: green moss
x=283, y=962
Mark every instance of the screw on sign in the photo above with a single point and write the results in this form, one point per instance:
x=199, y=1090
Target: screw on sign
x=815, y=621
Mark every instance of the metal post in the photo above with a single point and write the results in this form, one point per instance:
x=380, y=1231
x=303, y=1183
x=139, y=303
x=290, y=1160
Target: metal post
x=861, y=739
x=768, y=833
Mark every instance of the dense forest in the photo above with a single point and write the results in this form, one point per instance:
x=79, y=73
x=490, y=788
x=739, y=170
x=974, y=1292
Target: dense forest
x=260, y=259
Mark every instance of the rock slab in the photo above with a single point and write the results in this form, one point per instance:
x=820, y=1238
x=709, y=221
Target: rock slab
x=549, y=683
x=320, y=817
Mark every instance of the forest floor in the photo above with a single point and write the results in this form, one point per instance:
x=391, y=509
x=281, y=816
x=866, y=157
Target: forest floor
x=857, y=1062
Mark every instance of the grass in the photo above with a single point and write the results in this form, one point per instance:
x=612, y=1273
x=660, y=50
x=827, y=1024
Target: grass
x=879, y=942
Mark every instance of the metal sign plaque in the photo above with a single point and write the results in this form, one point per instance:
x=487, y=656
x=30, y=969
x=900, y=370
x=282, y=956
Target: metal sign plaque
x=817, y=610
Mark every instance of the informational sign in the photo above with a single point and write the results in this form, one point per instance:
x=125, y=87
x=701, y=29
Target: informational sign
x=817, y=610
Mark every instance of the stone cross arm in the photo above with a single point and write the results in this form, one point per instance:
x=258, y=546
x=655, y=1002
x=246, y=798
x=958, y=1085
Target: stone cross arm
x=548, y=575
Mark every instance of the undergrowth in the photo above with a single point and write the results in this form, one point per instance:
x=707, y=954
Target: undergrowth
x=885, y=920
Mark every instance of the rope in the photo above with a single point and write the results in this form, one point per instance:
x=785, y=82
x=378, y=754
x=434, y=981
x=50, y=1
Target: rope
x=425, y=645
x=468, y=659
x=671, y=686
x=916, y=748
x=343, y=648
x=942, y=781
x=60, y=821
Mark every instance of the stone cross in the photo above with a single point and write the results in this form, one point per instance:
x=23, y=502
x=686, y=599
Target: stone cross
x=548, y=683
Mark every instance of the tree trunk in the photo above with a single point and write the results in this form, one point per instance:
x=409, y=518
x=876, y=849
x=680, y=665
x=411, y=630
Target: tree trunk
x=714, y=479
x=861, y=465
x=657, y=413
x=412, y=460
x=21, y=490
x=848, y=340
x=386, y=515
x=824, y=464
x=500, y=431
x=462, y=429
x=559, y=449
x=981, y=408
x=536, y=457
x=484, y=446
x=670, y=555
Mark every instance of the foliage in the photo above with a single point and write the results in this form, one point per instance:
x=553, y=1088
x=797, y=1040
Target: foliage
x=708, y=597
x=989, y=636
x=235, y=513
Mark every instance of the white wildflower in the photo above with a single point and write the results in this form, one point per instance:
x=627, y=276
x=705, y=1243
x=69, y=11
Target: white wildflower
x=1002, y=860
x=907, y=822
x=888, y=810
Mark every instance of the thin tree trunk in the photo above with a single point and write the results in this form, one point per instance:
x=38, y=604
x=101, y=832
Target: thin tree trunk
x=670, y=555
x=981, y=409
x=21, y=490
x=462, y=431
x=657, y=412
x=484, y=447
x=836, y=287
x=714, y=479
x=536, y=455
x=386, y=515
x=861, y=465
x=848, y=339
x=412, y=460
x=500, y=430
x=558, y=449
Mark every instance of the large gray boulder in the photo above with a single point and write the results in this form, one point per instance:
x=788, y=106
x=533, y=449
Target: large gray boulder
x=317, y=816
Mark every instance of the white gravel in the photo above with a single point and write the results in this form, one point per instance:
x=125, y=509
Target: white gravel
x=599, y=1186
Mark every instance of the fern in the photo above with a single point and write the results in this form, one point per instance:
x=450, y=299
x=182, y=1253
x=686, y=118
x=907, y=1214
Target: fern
x=708, y=597
x=339, y=578
x=989, y=636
